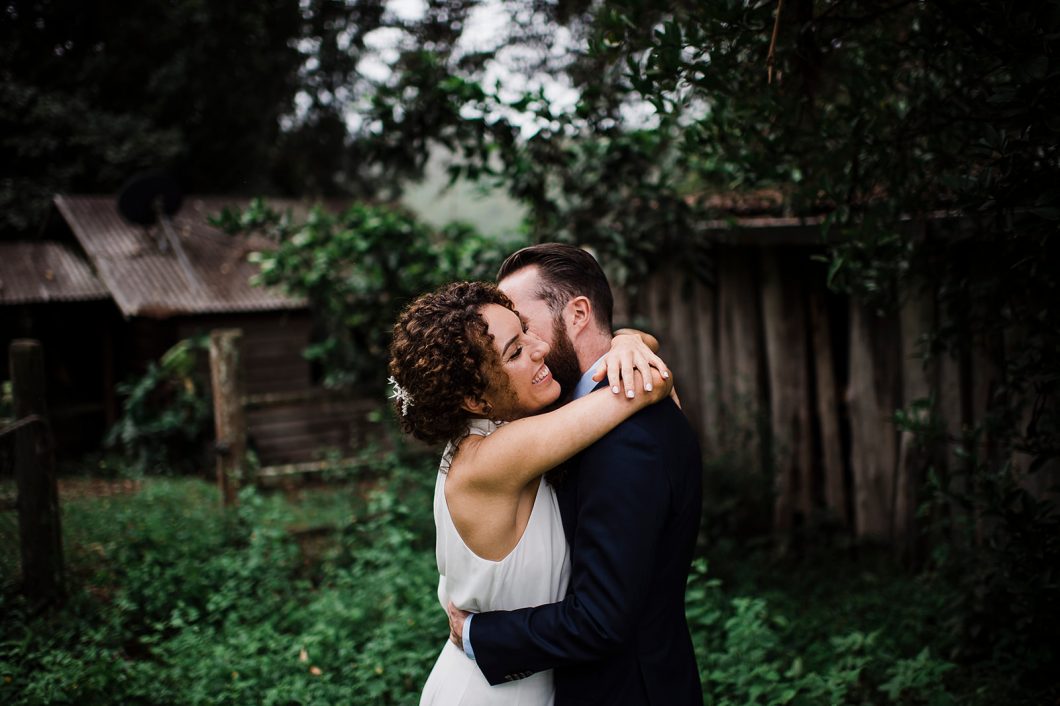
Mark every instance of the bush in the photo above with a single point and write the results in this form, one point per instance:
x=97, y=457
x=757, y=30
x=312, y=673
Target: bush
x=166, y=412
x=175, y=601
x=750, y=653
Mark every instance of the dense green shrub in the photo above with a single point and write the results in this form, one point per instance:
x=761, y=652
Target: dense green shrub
x=166, y=412
x=175, y=601
x=752, y=653
x=1004, y=554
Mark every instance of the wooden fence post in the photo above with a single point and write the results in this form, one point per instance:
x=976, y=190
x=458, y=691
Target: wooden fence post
x=872, y=395
x=707, y=367
x=917, y=317
x=784, y=322
x=39, y=523
x=739, y=354
x=828, y=409
x=229, y=416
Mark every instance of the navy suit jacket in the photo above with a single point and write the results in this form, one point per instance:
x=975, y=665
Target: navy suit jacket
x=631, y=506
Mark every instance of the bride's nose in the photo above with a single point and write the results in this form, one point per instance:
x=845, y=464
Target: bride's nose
x=540, y=350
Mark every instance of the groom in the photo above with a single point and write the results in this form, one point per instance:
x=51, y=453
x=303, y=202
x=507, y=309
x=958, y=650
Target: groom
x=630, y=505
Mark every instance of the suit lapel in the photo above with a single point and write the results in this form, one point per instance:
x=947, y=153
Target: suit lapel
x=566, y=475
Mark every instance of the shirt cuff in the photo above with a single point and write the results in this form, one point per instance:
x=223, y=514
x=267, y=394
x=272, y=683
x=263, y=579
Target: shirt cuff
x=465, y=637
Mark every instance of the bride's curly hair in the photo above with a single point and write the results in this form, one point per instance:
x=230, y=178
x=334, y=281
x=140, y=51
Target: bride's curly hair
x=441, y=353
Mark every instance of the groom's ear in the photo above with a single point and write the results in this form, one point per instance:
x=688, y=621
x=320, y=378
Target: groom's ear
x=577, y=315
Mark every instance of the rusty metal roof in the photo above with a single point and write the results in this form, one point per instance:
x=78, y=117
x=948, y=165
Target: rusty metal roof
x=145, y=277
x=34, y=272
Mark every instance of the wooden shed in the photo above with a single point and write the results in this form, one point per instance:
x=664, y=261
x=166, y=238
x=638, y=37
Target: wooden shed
x=49, y=291
x=122, y=297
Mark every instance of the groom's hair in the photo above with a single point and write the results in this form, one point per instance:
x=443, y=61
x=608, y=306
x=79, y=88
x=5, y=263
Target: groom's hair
x=566, y=272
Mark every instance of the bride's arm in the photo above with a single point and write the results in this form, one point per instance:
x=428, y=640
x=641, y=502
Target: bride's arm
x=509, y=458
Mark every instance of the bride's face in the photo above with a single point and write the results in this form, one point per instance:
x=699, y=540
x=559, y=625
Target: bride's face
x=525, y=384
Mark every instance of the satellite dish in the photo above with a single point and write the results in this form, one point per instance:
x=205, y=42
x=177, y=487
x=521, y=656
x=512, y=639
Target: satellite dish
x=152, y=197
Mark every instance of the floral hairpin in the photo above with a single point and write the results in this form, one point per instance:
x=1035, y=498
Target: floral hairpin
x=401, y=395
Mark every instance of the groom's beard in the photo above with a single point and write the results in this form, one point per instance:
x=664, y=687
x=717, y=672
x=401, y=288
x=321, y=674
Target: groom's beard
x=562, y=361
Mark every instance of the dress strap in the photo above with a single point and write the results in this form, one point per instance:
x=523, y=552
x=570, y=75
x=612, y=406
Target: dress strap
x=477, y=426
x=482, y=427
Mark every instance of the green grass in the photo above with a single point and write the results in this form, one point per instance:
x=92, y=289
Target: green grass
x=175, y=601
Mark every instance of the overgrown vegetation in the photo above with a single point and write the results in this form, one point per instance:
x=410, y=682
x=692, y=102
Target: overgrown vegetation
x=358, y=268
x=876, y=117
x=175, y=602
x=166, y=412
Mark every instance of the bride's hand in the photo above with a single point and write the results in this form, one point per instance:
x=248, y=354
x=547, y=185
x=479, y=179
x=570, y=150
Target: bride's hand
x=629, y=353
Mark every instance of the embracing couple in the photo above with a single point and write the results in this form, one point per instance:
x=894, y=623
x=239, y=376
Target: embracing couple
x=565, y=589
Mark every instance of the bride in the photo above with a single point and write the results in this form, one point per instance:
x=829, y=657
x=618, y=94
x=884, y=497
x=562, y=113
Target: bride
x=467, y=371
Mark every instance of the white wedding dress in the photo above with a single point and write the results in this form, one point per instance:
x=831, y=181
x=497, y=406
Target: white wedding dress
x=534, y=573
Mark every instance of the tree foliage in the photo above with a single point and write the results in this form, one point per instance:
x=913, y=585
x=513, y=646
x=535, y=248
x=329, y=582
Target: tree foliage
x=95, y=91
x=880, y=117
x=232, y=98
x=358, y=269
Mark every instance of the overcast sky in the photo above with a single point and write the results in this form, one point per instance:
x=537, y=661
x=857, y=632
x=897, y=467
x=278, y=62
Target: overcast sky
x=487, y=26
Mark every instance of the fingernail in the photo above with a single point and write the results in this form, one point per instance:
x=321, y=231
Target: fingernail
x=629, y=394
x=648, y=387
x=615, y=389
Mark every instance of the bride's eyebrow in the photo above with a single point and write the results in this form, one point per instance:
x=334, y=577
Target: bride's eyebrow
x=512, y=340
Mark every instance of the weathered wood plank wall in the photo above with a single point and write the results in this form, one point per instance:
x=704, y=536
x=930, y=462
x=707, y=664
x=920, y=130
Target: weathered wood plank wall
x=780, y=374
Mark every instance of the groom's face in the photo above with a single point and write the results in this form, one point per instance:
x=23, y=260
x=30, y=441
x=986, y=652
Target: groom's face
x=523, y=287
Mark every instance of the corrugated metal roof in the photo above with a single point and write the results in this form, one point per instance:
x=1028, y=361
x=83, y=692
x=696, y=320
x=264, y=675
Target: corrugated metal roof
x=33, y=272
x=146, y=278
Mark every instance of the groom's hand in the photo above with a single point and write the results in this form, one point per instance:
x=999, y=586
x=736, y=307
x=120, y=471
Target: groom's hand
x=456, y=624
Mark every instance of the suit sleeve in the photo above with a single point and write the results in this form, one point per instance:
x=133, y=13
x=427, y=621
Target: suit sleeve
x=623, y=502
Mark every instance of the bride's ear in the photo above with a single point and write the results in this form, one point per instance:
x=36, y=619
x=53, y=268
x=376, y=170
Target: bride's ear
x=476, y=406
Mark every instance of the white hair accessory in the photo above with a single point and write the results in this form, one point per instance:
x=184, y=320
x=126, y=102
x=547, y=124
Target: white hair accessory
x=401, y=395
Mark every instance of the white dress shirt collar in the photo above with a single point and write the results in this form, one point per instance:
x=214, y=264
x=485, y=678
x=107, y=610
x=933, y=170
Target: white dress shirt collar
x=586, y=383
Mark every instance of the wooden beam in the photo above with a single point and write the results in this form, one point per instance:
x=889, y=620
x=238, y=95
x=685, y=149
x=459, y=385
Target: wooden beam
x=872, y=395
x=917, y=320
x=835, y=488
x=289, y=470
x=39, y=524
x=784, y=322
x=707, y=366
x=739, y=354
x=682, y=343
x=314, y=394
x=229, y=417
